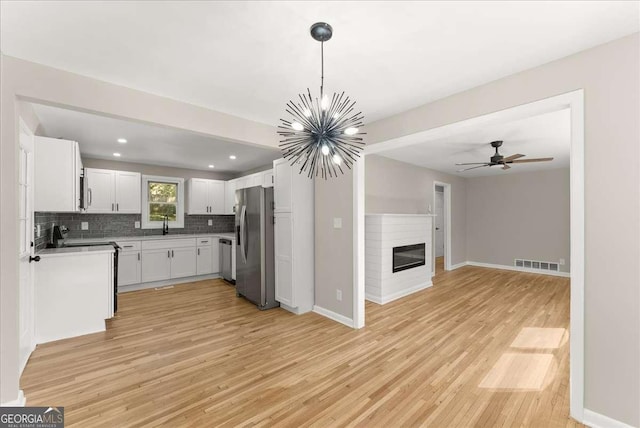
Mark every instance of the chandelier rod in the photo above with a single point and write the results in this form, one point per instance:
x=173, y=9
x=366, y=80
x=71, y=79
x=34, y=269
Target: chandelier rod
x=321, y=69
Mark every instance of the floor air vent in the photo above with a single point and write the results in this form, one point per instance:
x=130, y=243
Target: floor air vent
x=535, y=264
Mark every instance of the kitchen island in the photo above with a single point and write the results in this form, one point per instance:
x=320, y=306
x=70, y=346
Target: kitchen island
x=73, y=291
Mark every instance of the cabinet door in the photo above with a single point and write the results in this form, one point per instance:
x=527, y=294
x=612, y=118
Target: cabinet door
x=198, y=202
x=215, y=255
x=101, y=183
x=156, y=265
x=216, y=197
x=267, y=178
x=204, y=261
x=283, y=234
x=183, y=262
x=230, y=197
x=128, y=185
x=129, y=267
x=282, y=185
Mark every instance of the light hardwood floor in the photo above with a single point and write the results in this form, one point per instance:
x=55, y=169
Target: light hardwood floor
x=195, y=355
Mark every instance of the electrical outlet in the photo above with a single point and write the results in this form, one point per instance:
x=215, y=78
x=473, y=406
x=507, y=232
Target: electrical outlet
x=84, y=225
x=337, y=223
x=210, y=222
x=339, y=295
x=136, y=225
x=561, y=262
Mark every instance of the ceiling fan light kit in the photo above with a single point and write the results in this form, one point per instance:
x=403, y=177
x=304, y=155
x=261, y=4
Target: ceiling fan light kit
x=322, y=134
x=498, y=160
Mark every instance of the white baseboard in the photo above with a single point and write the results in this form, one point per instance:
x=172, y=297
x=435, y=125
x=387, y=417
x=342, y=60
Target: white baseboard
x=21, y=401
x=333, y=316
x=397, y=295
x=596, y=420
x=519, y=269
x=147, y=285
x=458, y=265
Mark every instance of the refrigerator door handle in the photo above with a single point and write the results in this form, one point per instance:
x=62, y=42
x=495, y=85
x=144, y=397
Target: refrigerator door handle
x=243, y=233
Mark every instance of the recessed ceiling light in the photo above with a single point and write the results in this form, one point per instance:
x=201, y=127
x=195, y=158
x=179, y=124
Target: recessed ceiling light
x=117, y=155
x=122, y=140
x=210, y=166
x=232, y=157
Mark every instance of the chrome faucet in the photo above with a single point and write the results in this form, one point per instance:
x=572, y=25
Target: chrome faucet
x=165, y=225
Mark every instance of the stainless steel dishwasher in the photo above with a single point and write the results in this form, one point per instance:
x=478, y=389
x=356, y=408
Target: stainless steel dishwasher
x=226, y=260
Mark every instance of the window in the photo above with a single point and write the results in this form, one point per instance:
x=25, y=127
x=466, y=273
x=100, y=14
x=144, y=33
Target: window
x=162, y=196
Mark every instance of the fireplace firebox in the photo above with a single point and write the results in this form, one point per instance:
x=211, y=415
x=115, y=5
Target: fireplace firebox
x=408, y=257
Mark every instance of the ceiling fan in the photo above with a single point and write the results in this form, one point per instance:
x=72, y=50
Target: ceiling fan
x=498, y=160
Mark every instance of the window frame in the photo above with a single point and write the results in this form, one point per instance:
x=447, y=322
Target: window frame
x=145, y=222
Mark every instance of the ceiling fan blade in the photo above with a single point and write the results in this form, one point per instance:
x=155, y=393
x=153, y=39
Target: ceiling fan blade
x=473, y=167
x=472, y=163
x=505, y=166
x=532, y=160
x=512, y=157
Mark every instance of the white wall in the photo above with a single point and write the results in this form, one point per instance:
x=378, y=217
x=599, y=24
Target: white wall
x=166, y=171
x=519, y=215
x=397, y=187
x=610, y=77
x=23, y=80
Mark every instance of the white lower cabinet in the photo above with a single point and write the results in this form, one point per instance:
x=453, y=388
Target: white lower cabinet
x=183, y=262
x=129, y=268
x=156, y=264
x=204, y=264
x=283, y=233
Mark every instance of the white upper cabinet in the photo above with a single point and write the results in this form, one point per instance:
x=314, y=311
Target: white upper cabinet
x=267, y=178
x=230, y=197
x=282, y=188
x=205, y=196
x=58, y=169
x=109, y=191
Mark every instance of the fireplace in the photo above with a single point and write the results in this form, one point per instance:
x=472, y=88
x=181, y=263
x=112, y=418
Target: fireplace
x=408, y=256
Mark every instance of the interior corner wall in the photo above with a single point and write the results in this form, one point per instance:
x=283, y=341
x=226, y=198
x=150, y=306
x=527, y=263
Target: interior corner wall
x=334, y=247
x=610, y=78
x=397, y=187
x=519, y=215
x=24, y=80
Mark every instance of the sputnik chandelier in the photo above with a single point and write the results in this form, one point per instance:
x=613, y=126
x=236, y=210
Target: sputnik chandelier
x=322, y=134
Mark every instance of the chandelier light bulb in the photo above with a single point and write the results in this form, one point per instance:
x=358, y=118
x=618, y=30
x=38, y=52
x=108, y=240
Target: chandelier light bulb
x=307, y=112
x=325, y=102
x=297, y=126
x=336, y=115
x=337, y=159
x=351, y=131
x=325, y=149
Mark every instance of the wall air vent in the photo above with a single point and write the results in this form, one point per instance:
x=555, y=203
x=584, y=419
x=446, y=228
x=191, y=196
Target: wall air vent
x=536, y=264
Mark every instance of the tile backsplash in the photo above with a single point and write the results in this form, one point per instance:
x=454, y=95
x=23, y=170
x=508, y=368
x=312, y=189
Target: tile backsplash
x=106, y=225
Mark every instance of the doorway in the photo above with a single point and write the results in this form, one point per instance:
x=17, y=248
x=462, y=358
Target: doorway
x=26, y=294
x=441, y=225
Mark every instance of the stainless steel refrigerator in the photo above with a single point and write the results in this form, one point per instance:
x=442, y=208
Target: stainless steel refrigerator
x=255, y=277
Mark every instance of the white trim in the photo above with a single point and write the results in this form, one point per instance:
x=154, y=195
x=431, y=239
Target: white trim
x=519, y=269
x=447, y=226
x=458, y=265
x=21, y=401
x=179, y=223
x=165, y=282
x=333, y=316
x=358, y=243
x=398, y=294
x=596, y=420
x=575, y=101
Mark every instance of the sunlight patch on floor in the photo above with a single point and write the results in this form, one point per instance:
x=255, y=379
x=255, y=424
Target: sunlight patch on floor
x=536, y=337
x=519, y=372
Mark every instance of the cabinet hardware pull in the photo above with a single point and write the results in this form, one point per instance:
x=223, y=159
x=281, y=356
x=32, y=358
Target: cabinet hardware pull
x=112, y=207
x=198, y=251
x=138, y=256
x=90, y=197
x=128, y=246
x=117, y=207
x=169, y=253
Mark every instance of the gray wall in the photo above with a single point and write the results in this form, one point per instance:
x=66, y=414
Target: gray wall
x=397, y=187
x=34, y=82
x=519, y=215
x=610, y=77
x=166, y=171
x=334, y=247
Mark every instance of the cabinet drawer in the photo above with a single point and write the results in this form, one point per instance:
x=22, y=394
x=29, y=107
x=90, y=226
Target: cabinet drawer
x=203, y=242
x=168, y=243
x=130, y=245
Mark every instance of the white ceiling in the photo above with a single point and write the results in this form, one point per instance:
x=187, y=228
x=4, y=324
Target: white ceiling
x=546, y=135
x=148, y=144
x=249, y=58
